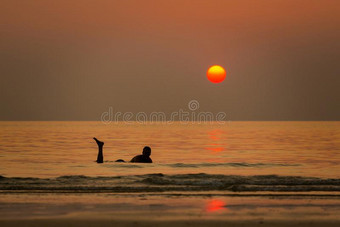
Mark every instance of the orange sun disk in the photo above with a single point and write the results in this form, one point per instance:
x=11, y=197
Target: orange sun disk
x=216, y=74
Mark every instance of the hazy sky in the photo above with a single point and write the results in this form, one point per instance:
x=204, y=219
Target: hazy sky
x=72, y=60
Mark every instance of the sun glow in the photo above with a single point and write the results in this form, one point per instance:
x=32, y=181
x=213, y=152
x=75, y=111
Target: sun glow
x=215, y=205
x=216, y=74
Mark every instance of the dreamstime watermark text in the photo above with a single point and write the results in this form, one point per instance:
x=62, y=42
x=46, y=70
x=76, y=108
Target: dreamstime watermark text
x=184, y=116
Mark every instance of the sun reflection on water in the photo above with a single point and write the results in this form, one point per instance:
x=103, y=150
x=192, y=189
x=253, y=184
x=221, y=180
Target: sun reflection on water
x=215, y=205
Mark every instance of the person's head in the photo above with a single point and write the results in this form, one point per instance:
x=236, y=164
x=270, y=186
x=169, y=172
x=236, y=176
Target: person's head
x=147, y=151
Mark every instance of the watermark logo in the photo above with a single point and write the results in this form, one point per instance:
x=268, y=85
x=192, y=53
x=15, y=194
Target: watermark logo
x=192, y=116
x=193, y=105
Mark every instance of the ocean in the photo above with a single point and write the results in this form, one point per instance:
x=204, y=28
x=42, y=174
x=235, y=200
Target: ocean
x=54, y=149
x=198, y=168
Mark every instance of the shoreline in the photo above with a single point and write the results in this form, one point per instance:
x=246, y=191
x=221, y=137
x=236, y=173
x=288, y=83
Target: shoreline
x=167, y=223
x=139, y=209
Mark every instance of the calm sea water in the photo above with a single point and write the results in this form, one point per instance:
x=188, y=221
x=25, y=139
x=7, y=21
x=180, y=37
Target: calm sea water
x=53, y=149
x=233, y=171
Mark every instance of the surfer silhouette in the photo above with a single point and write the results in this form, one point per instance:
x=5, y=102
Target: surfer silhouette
x=100, y=144
x=143, y=158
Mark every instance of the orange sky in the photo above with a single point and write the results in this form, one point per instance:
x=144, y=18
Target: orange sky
x=73, y=59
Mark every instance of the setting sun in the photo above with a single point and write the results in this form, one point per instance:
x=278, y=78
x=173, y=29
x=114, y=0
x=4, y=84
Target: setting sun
x=121, y=113
x=216, y=74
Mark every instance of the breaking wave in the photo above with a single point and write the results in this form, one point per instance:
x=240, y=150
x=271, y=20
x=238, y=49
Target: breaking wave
x=166, y=183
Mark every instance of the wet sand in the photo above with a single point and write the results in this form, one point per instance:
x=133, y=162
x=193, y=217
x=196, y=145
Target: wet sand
x=198, y=223
x=169, y=209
